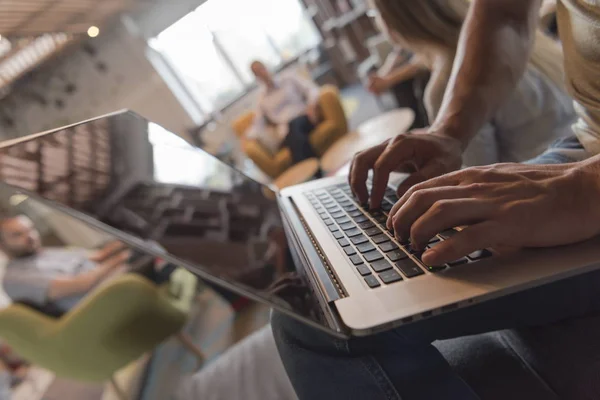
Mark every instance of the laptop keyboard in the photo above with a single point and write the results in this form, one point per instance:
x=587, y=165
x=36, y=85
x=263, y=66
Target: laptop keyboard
x=368, y=245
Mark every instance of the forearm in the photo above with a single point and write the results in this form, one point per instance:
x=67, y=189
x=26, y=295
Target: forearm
x=405, y=72
x=74, y=286
x=491, y=57
x=83, y=283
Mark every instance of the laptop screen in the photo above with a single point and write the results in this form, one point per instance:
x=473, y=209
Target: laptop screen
x=138, y=178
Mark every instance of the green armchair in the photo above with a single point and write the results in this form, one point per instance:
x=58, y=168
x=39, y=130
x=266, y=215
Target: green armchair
x=113, y=326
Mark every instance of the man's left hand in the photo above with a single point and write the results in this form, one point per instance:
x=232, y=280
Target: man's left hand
x=504, y=205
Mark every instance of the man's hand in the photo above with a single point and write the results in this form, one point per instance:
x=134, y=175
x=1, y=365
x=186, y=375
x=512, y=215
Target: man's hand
x=423, y=155
x=312, y=112
x=504, y=205
x=377, y=84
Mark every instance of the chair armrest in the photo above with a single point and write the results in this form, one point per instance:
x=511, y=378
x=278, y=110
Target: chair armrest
x=181, y=289
x=324, y=135
x=113, y=308
x=272, y=165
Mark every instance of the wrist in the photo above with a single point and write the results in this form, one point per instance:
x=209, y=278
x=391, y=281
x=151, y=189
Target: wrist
x=450, y=135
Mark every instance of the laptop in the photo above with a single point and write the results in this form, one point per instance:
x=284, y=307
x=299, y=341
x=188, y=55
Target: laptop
x=310, y=251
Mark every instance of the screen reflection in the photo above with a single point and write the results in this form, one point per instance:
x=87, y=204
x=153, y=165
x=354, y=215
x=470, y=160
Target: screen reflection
x=143, y=180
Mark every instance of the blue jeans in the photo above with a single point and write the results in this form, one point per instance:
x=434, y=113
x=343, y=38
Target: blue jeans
x=402, y=363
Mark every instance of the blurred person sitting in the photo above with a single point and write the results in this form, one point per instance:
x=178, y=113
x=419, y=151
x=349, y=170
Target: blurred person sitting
x=406, y=77
x=286, y=113
x=54, y=280
x=538, y=112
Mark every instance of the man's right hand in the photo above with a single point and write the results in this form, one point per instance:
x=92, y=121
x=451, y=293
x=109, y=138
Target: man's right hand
x=423, y=155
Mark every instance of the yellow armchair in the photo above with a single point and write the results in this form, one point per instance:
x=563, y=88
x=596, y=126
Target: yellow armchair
x=332, y=128
x=113, y=326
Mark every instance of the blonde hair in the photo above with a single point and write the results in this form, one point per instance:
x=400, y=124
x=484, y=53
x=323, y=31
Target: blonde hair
x=434, y=25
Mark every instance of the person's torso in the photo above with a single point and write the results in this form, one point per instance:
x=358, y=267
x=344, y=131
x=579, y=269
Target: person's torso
x=579, y=29
x=54, y=262
x=51, y=263
x=535, y=115
x=284, y=102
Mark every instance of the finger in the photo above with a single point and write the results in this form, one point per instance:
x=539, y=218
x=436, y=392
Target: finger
x=429, y=171
x=447, y=214
x=448, y=180
x=361, y=165
x=420, y=203
x=476, y=237
x=410, y=181
x=380, y=181
x=420, y=181
x=399, y=152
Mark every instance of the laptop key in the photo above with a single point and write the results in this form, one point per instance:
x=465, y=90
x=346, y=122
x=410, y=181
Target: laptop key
x=356, y=260
x=480, y=254
x=343, y=220
x=328, y=222
x=388, y=246
x=334, y=210
x=409, y=268
x=390, y=276
x=363, y=270
x=373, y=231
x=347, y=226
x=350, y=208
x=397, y=255
x=338, y=235
x=360, y=219
x=349, y=251
x=359, y=239
x=344, y=242
x=372, y=281
x=366, y=225
x=331, y=207
x=382, y=219
x=393, y=198
x=375, y=213
x=448, y=233
x=353, y=232
x=333, y=228
x=338, y=214
x=386, y=206
x=458, y=262
x=373, y=256
x=365, y=247
x=381, y=265
x=355, y=213
x=323, y=215
x=380, y=239
x=437, y=268
x=434, y=239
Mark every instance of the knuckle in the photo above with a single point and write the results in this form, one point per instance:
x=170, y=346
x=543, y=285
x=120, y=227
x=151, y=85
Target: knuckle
x=441, y=206
x=420, y=195
x=477, y=187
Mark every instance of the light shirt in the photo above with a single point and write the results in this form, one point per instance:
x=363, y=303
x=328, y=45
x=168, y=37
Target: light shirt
x=28, y=279
x=579, y=29
x=536, y=114
x=287, y=100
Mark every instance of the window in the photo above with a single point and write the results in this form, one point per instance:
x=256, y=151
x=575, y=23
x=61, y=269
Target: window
x=211, y=48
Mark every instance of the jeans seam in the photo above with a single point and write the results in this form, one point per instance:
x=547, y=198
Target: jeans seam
x=380, y=377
